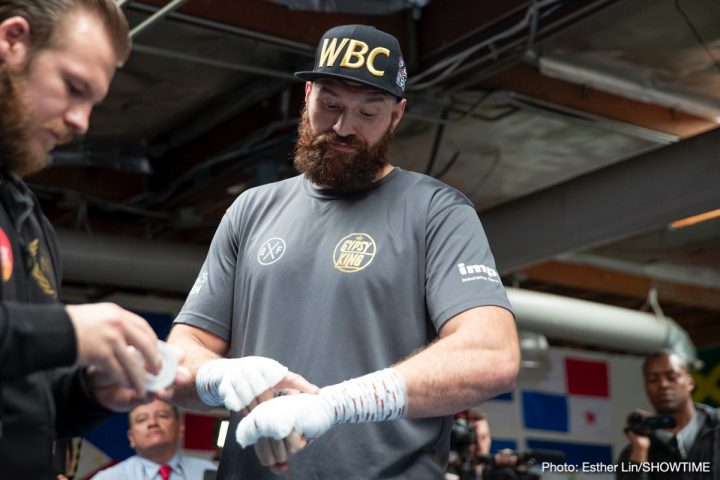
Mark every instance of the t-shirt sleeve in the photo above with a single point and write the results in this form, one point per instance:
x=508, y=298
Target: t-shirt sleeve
x=460, y=269
x=209, y=303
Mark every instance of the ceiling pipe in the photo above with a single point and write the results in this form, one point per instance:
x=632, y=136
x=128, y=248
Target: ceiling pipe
x=101, y=259
x=155, y=17
x=144, y=264
x=564, y=318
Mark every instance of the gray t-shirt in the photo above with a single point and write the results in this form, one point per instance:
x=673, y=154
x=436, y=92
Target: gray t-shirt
x=337, y=286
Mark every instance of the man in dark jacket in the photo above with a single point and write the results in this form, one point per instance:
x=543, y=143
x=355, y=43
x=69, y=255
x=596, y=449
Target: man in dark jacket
x=62, y=368
x=690, y=449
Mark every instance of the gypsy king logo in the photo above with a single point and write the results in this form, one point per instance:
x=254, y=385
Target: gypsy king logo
x=354, y=252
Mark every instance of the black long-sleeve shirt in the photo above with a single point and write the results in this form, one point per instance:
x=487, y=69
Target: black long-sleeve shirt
x=41, y=397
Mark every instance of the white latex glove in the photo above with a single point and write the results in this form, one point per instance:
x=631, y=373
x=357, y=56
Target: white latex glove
x=308, y=415
x=236, y=382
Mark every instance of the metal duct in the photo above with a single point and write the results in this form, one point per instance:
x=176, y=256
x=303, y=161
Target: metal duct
x=592, y=323
x=102, y=259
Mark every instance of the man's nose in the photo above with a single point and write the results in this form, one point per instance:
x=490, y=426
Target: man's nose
x=77, y=117
x=343, y=125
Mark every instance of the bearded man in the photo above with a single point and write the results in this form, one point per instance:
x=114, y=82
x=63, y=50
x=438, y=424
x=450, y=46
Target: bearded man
x=354, y=269
x=57, y=58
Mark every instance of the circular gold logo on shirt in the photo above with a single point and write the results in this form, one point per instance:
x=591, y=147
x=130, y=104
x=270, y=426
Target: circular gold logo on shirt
x=354, y=252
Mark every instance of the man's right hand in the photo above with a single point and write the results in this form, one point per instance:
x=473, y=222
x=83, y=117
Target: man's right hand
x=639, y=444
x=240, y=384
x=108, y=336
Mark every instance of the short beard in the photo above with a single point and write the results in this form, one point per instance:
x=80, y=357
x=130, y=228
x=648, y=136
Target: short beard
x=341, y=172
x=19, y=154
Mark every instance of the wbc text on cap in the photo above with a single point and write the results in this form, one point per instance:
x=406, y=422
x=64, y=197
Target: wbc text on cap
x=362, y=54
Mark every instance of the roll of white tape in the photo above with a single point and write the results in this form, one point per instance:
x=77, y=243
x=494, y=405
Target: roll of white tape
x=168, y=370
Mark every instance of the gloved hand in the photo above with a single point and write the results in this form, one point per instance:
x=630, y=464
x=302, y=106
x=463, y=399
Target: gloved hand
x=308, y=415
x=236, y=382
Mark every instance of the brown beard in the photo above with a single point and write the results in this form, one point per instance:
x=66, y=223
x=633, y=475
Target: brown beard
x=339, y=171
x=20, y=152
x=16, y=153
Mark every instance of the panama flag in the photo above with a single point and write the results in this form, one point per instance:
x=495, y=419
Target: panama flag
x=574, y=399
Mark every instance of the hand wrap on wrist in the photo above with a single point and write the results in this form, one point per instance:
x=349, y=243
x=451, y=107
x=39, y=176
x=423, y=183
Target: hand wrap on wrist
x=375, y=397
x=235, y=382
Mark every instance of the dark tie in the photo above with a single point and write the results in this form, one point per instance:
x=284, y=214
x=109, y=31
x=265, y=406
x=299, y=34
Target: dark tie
x=165, y=472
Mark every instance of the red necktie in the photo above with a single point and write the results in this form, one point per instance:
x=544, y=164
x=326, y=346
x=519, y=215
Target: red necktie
x=165, y=472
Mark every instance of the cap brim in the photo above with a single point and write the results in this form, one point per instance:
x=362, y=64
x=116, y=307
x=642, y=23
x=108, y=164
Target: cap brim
x=311, y=76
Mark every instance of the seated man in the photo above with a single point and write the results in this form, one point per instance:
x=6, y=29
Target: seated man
x=155, y=430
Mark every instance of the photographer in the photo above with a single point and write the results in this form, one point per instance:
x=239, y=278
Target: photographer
x=654, y=440
x=470, y=449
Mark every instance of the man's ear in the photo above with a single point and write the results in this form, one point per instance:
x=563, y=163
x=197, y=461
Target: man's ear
x=14, y=41
x=308, y=89
x=398, y=112
x=130, y=439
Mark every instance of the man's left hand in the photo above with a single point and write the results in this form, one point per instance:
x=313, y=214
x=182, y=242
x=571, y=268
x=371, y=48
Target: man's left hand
x=279, y=427
x=113, y=396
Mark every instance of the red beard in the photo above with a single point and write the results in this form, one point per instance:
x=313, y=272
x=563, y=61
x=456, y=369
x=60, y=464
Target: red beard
x=339, y=171
x=15, y=148
x=20, y=153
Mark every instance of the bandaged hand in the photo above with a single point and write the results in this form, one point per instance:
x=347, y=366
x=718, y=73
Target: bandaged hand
x=375, y=397
x=237, y=382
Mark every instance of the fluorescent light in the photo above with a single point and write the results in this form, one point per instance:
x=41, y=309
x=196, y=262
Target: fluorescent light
x=222, y=431
x=686, y=222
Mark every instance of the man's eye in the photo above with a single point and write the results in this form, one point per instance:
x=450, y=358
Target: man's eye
x=73, y=89
x=367, y=114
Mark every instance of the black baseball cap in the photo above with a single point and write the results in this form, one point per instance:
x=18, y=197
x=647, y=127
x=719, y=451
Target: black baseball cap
x=363, y=54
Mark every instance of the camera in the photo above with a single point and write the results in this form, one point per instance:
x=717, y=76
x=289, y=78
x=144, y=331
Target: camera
x=644, y=425
x=462, y=436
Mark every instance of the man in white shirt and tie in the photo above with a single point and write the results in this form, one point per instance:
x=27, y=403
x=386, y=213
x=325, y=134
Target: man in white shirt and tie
x=155, y=430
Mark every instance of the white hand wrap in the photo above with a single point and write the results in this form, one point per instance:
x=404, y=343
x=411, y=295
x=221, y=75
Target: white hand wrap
x=375, y=397
x=235, y=382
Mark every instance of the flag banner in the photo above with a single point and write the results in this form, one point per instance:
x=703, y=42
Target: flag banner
x=200, y=432
x=573, y=399
x=573, y=405
x=590, y=417
x=504, y=413
x=92, y=460
x=545, y=411
x=587, y=377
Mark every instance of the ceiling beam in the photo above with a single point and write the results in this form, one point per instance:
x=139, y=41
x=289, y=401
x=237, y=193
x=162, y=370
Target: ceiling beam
x=634, y=196
x=528, y=81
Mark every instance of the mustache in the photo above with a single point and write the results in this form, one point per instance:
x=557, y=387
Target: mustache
x=332, y=137
x=64, y=134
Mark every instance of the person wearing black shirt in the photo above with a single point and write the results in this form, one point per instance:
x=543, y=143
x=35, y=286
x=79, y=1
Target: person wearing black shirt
x=62, y=368
x=693, y=439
